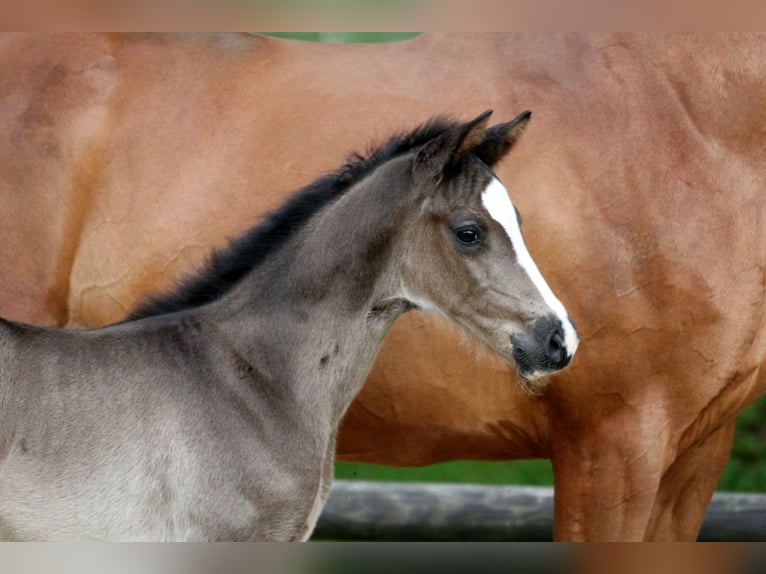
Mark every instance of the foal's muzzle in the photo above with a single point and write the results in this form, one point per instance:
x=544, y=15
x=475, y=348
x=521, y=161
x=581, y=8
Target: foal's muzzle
x=542, y=349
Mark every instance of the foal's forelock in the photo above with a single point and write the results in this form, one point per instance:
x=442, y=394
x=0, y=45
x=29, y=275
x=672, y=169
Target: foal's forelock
x=500, y=207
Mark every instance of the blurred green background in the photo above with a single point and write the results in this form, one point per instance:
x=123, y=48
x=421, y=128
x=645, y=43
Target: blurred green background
x=745, y=472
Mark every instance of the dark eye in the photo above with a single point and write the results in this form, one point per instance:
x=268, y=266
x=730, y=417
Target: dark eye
x=468, y=235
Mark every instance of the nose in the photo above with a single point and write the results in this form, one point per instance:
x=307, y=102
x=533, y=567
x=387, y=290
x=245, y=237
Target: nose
x=542, y=349
x=555, y=348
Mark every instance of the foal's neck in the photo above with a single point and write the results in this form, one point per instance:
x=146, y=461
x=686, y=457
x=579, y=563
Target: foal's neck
x=315, y=314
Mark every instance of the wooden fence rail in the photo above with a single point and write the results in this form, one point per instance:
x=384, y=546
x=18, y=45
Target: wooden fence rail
x=359, y=510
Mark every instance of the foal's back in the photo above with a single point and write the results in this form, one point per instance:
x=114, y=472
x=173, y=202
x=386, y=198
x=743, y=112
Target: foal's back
x=152, y=447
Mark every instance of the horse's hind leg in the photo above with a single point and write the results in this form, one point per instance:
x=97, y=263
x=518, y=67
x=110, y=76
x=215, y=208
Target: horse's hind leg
x=687, y=486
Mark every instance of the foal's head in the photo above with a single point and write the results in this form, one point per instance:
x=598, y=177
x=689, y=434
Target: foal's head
x=466, y=257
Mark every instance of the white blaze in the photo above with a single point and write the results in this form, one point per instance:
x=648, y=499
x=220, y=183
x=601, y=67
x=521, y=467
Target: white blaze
x=499, y=206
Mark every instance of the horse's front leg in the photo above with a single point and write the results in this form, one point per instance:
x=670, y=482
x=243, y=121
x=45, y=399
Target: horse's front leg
x=687, y=487
x=606, y=480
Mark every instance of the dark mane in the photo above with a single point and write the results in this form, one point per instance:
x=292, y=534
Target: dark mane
x=226, y=267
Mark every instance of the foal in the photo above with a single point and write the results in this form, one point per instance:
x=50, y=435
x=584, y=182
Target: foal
x=216, y=419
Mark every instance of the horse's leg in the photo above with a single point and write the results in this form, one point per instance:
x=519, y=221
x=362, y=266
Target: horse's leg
x=687, y=487
x=606, y=481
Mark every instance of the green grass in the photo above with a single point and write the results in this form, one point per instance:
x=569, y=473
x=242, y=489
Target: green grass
x=532, y=472
x=746, y=471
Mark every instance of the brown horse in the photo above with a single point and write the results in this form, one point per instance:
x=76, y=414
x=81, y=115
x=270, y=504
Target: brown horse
x=641, y=183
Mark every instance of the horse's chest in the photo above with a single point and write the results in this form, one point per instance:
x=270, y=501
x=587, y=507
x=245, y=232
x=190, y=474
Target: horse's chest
x=273, y=515
x=313, y=516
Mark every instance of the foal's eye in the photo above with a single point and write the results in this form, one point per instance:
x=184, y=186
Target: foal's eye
x=468, y=235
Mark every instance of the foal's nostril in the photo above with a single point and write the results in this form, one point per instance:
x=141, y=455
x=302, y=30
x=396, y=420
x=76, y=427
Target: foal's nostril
x=555, y=347
x=557, y=351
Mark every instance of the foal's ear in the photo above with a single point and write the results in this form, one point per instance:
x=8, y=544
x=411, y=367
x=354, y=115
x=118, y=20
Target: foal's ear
x=448, y=148
x=498, y=140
